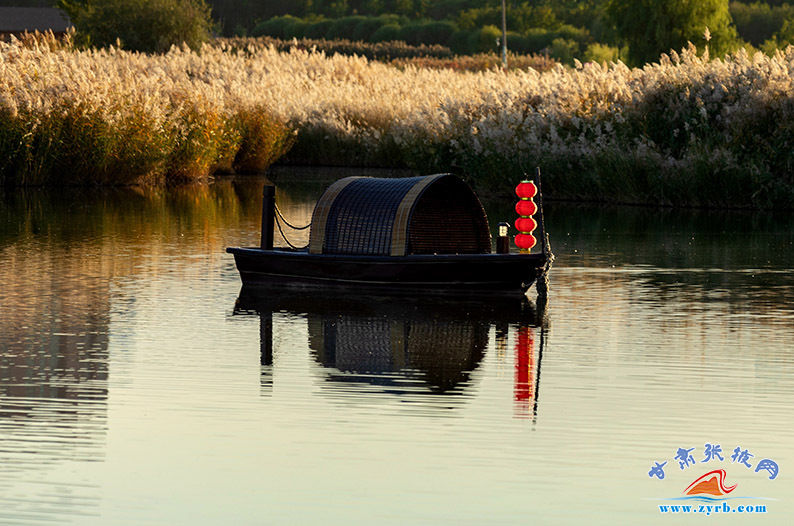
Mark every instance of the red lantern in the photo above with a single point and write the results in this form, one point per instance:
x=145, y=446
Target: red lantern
x=526, y=224
x=526, y=207
x=526, y=190
x=525, y=241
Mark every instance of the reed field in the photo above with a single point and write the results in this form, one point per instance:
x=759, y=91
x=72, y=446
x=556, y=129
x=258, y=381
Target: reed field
x=114, y=117
x=686, y=130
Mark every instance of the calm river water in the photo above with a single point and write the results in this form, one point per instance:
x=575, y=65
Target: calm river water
x=138, y=386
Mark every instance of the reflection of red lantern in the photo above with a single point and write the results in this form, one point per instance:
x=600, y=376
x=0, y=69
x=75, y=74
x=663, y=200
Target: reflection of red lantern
x=525, y=241
x=525, y=383
x=526, y=190
x=526, y=208
x=526, y=224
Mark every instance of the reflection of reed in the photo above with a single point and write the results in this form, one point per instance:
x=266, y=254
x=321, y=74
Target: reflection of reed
x=737, y=258
x=195, y=217
x=55, y=305
x=60, y=252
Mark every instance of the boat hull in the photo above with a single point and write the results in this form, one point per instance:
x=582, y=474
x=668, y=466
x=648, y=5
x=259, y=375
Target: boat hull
x=492, y=273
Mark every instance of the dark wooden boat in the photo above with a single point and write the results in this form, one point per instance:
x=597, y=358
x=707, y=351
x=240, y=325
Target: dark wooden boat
x=413, y=235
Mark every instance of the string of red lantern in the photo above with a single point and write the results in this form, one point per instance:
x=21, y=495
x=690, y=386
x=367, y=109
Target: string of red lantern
x=526, y=208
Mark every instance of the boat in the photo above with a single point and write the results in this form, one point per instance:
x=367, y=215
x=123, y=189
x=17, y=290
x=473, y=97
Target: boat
x=412, y=235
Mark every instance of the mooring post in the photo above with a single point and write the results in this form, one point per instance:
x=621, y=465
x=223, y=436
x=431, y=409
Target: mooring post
x=268, y=216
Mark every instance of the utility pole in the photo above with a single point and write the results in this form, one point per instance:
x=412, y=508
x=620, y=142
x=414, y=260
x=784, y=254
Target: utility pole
x=504, y=34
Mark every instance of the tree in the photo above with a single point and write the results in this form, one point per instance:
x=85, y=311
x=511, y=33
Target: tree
x=141, y=25
x=653, y=27
x=780, y=40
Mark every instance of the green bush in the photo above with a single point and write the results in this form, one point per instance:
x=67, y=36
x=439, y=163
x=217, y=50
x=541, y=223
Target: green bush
x=388, y=28
x=344, y=27
x=296, y=29
x=366, y=28
x=142, y=25
x=486, y=39
x=538, y=39
x=411, y=33
x=518, y=43
x=278, y=27
x=318, y=29
x=384, y=51
x=266, y=28
x=758, y=22
x=361, y=28
x=577, y=34
x=387, y=33
x=459, y=42
x=564, y=50
x=437, y=33
x=601, y=53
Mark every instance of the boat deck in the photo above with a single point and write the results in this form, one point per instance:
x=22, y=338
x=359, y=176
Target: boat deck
x=495, y=273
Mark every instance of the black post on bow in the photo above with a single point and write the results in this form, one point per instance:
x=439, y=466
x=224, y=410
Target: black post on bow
x=268, y=216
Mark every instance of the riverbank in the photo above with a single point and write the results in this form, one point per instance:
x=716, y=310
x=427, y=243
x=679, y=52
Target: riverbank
x=687, y=131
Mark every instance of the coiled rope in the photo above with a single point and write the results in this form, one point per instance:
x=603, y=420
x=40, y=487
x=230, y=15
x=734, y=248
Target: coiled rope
x=281, y=219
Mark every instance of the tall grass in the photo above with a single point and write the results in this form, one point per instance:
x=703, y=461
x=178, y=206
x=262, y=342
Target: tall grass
x=113, y=117
x=686, y=130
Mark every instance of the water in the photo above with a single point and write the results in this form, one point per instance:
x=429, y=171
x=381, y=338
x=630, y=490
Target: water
x=137, y=386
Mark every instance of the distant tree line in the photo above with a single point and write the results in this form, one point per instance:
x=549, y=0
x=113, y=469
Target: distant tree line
x=562, y=41
x=635, y=31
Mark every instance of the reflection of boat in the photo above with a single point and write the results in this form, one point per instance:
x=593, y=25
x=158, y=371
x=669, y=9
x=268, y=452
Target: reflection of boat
x=398, y=354
x=400, y=345
x=416, y=234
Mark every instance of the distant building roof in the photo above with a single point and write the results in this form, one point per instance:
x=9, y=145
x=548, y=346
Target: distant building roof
x=20, y=19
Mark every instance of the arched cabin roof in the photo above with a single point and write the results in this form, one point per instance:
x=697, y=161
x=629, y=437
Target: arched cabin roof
x=434, y=214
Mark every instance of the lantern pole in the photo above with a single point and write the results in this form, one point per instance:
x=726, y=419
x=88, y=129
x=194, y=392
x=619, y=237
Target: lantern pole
x=542, y=282
x=504, y=34
x=541, y=223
